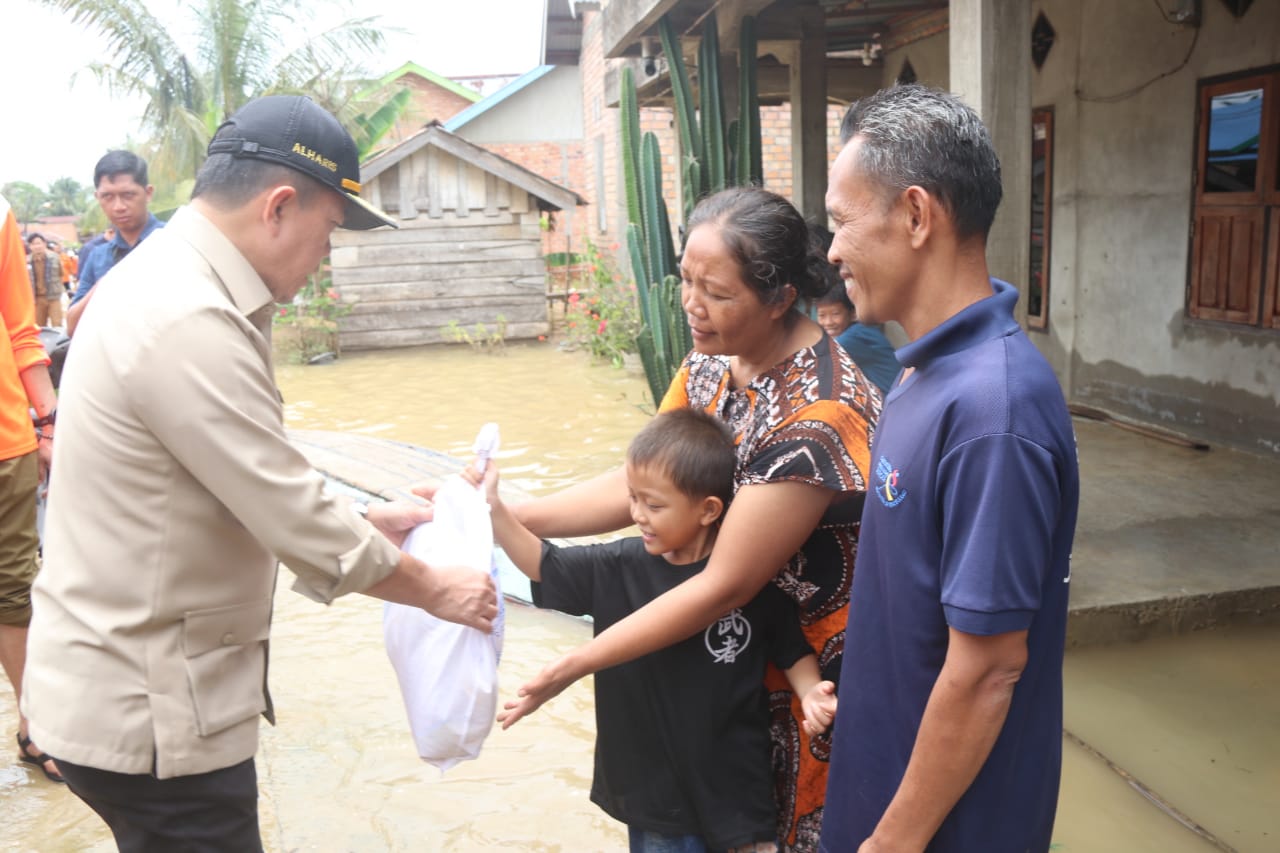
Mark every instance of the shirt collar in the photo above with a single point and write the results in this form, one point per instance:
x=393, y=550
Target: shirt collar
x=241, y=281
x=152, y=224
x=982, y=321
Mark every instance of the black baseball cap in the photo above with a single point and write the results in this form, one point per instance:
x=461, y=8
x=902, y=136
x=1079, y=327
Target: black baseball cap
x=295, y=131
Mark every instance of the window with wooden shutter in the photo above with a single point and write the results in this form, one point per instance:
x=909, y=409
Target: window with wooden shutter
x=1236, y=229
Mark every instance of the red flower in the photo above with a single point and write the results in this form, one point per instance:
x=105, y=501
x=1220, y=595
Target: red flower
x=284, y=311
x=573, y=298
x=332, y=294
x=603, y=323
x=542, y=337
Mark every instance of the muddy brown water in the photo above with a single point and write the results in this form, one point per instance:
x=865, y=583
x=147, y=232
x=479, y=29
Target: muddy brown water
x=1164, y=733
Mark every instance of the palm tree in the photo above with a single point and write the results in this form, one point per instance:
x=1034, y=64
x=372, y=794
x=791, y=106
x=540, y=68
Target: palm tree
x=67, y=196
x=239, y=53
x=26, y=199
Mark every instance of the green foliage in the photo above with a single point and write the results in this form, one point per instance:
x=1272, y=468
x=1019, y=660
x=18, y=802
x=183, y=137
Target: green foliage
x=68, y=197
x=711, y=162
x=630, y=121
x=480, y=337
x=316, y=301
x=27, y=200
x=666, y=338
x=240, y=49
x=371, y=129
x=750, y=162
x=604, y=319
x=308, y=326
x=711, y=109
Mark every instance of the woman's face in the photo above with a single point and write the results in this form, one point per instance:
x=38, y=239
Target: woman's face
x=725, y=314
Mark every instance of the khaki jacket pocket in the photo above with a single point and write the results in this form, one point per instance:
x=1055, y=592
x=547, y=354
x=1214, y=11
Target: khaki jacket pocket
x=226, y=658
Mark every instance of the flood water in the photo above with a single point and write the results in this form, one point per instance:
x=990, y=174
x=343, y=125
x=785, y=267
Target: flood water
x=1193, y=721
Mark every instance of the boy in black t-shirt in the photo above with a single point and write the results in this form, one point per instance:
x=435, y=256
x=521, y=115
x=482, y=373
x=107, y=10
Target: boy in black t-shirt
x=682, y=746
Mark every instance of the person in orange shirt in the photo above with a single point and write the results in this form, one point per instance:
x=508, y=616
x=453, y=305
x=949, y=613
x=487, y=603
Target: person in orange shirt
x=69, y=264
x=24, y=463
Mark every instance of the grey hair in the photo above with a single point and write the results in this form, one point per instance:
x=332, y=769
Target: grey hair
x=916, y=136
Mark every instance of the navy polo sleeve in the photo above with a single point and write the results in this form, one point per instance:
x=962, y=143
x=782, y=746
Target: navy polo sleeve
x=999, y=500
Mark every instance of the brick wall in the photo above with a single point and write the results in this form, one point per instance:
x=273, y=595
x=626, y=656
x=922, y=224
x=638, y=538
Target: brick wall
x=562, y=163
x=427, y=101
x=775, y=144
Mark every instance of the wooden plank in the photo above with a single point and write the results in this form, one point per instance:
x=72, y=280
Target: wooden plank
x=490, y=195
x=389, y=189
x=374, y=295
x=504, y=194
x=435, y=209
x=355, y=341
x=407, y=208
x=441, y=312
x=421, y=230
x=449, y=272
x=437, y=253
x=463, y=208
x=475, y=195
x=446, y=180
x=520, y=201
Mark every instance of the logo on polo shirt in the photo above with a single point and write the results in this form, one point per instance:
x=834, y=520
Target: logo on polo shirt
x=728, y=637
x=887, y=488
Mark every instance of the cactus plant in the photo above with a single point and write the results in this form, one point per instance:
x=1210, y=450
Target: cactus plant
x=750, y=157
x=715, y=156
x=630, y=121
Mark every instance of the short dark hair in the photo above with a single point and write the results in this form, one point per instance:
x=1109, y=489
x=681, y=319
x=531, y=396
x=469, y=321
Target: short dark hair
x=228, y=181
x=36, y=235
x=120, y=163
x=768, y=238
x=694, y=449
x=913, y=135
x=835, y=295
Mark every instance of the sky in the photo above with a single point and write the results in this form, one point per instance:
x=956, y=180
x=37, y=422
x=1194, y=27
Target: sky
x=58, y=122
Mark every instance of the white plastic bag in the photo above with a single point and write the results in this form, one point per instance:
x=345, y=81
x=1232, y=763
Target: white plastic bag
x=448, y=673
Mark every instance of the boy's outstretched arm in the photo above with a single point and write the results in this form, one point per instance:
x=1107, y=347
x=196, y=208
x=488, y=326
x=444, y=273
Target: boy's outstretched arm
x=524, y=549
x=817, y=697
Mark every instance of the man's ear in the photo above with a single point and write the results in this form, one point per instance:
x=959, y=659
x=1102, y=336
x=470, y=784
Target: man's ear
x=151, y=188
x=919, y=210
x=277, y=203
x=710, y=511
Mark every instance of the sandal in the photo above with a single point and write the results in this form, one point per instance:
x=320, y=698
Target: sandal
x=39, y=759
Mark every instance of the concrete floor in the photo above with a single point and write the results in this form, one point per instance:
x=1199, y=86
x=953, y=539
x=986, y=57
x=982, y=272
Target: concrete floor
x=1169, y=540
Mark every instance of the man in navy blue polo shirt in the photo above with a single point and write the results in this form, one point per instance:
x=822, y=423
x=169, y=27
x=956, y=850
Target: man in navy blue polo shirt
x=121, y=188
x=949, y=730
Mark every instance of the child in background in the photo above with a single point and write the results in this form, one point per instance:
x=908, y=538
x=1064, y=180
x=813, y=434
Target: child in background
x=682, y=746
x=866, y=345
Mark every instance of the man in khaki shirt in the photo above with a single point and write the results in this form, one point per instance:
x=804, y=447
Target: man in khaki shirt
x=175, y=491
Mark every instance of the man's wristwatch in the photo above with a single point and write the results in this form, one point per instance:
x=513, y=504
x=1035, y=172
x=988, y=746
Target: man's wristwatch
x=47, y=420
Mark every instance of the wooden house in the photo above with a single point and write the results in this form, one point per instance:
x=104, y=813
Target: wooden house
x=468, y=249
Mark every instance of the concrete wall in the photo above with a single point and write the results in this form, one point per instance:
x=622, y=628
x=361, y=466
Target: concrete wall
x=547, y=110
x=1119, y=337
x=1122, y=212
x=468, y=250
x=929, y=57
